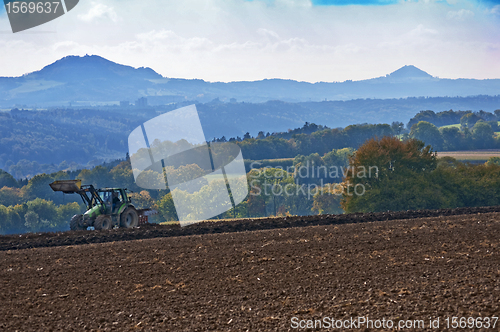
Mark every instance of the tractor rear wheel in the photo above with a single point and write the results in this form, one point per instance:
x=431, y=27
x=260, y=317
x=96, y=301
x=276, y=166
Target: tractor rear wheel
x=129, y=218
x=74, y=224
x=103, y=222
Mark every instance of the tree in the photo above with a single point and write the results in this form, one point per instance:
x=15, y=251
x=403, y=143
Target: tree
x=31, y=220
x=38, y=187
x=10, y=196
x=4, y=219
x=142, y=200
x=15, y=222
x=7, y=180
x=356, y=135
x=482, y=134
x=166, y=208
x=151, y=179
x=382, y=170
x=497, y=113
x=469, y=120
x=206, y=202
x=327, y=200
x=33, y=223
x=438, y=119
x=428, y=116
x=122, y=176
x=338, y=157
x=272, y=188
x=428, y=133
x=475, y=185
x=99, y=176
x=256, y=204
x=486, y=116
x=308, y=167
x=397, y=127
x=452, y=139
x=46, y=210
x=494, y=161
x=66, y=212
x=494, y=125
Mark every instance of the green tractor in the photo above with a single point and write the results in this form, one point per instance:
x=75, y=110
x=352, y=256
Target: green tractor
x=106, y=208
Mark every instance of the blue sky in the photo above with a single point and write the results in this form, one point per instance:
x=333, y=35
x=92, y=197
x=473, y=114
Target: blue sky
x=227, y=40
x=353, y=2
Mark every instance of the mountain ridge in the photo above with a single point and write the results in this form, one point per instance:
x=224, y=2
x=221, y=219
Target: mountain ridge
x=89, y=61
x=92, y=79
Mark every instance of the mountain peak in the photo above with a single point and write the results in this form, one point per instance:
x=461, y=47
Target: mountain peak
x=77, y=68
x=409, y=71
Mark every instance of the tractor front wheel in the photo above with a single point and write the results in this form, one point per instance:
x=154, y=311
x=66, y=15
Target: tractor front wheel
x=129, y=218
x=103, y=222
x=74, y=224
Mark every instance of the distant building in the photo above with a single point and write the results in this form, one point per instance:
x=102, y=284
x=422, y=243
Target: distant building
x=141, y=102
x=125, y=103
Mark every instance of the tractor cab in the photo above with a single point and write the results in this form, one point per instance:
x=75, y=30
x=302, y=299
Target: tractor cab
x=114, y=199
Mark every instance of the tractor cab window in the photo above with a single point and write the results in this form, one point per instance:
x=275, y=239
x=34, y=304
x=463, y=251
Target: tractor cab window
x=105, y=196
x=116, y=199
x=122, y=198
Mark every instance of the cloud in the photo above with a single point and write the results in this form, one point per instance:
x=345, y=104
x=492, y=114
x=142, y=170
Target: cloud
x=167, y=40
x=65, y=46
x=227, y=40
x=268, y=33
x=99, y=11
x=460, y=15
x=495, y=10
x=420, y=31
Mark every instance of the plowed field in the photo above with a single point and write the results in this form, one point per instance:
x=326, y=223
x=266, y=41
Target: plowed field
x=393, y=269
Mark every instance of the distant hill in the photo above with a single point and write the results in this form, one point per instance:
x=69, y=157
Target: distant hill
x=95, y=80
x=409, y=72
x=77, y=69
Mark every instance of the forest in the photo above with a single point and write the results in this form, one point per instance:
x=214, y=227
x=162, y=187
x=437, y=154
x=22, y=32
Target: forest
x=312, y=169
x=454, y=131
x=35, y=142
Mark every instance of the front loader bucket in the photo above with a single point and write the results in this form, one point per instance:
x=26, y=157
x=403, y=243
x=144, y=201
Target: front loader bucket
x=66, y=186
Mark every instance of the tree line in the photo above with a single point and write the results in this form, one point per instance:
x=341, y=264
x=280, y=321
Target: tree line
x=451, y=117
x=407, y=175
x=412, y=178
x=35, y=142
x=471, y=135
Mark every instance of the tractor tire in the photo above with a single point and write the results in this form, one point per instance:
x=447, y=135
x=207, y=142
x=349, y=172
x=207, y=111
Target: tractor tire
x=103, y=222
x=129, y=218
x=74, y=224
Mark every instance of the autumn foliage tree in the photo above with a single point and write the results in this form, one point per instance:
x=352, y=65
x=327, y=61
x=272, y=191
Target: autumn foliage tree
x=390, y=175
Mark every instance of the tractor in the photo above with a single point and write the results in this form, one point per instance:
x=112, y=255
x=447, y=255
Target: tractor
x=106, y=208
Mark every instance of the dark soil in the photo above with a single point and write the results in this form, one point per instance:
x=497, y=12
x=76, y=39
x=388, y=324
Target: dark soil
x=413, y=269
x=24, y=241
